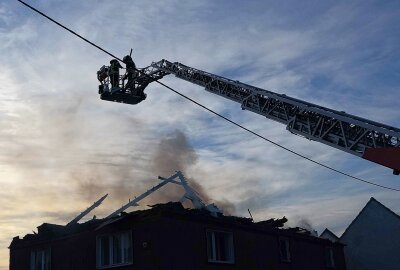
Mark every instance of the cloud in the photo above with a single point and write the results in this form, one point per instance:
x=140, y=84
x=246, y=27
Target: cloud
x=59, y=143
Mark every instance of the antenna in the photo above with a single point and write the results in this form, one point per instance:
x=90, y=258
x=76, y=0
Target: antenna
x=87, y=211
x=130, y=54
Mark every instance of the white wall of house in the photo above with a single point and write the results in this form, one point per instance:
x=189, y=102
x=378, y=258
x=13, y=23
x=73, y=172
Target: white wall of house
x=373, y=239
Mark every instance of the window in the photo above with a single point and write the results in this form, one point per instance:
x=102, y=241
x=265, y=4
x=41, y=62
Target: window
x=40, y=259
x=115, y=249
x=329, y=260
x=284, y=249
x=220, y=247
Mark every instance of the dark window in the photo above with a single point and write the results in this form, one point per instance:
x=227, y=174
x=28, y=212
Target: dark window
x=115, y=249
x=40, y=259
x=220, y=247
x=284, y=249
x=329, y=259
x=103, y=246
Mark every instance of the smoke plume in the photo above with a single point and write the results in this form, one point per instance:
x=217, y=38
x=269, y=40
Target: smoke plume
x=175, y=153
x=72, y=157
x=306, y=224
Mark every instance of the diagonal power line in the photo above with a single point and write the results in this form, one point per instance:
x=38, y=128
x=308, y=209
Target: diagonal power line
x=212, y=111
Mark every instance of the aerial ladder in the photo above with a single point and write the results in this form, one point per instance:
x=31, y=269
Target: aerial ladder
x=370, y=140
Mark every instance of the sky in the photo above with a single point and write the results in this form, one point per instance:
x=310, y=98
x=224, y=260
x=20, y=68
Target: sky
x=62, y=148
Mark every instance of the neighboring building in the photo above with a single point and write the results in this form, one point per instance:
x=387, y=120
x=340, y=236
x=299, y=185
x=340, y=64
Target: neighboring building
x=373, y=239
x=327, y=234
x=169, y=237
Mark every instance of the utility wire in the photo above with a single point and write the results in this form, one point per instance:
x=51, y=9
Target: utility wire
x=212, y=111
x=274, y=143
x=69, y=30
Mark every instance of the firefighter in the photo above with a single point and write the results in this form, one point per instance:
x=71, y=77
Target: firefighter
x=130, y=72
x=114, y=73
x=102, y=74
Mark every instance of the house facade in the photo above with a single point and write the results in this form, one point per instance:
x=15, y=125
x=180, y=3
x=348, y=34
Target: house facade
x=327, y=234
x=373, y=239
x=170, y=237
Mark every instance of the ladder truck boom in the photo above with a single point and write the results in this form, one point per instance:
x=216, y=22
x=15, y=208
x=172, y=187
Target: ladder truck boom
x=361, y=137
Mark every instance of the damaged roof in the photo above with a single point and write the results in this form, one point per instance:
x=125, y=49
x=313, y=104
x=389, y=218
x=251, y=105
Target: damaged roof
x=49, y=232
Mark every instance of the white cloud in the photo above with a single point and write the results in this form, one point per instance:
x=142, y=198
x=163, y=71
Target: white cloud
x=57, y=136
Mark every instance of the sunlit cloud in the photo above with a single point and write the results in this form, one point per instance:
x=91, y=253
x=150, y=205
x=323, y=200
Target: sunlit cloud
x=61, y=147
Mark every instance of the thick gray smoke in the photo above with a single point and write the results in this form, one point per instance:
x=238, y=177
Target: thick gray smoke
x=64, y=152
x=175, y=153
x=305, y=223
x=71, y=154
x=171, y=154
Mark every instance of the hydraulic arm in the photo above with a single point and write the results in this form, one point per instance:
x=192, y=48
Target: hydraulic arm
x=364, y=138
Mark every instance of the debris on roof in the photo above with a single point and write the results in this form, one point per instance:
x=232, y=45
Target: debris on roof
x=200, y=213
x=49, y=232
x=278, y=223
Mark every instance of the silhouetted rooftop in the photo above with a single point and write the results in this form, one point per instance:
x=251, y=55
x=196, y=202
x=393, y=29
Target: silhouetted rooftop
x=47, y=232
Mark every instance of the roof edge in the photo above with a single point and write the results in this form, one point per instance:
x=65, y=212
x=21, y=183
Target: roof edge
x=372, y=199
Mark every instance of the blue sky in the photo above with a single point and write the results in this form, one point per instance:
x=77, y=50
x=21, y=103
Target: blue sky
x=62, y=147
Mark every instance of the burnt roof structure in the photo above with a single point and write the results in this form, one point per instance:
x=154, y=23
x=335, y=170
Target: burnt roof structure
x=170, y=236
x=50, y=232
x=200, y=212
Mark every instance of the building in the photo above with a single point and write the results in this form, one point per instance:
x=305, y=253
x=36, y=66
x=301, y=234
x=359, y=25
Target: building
x=168, y=236
x=327, y=234
x=373, y=239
